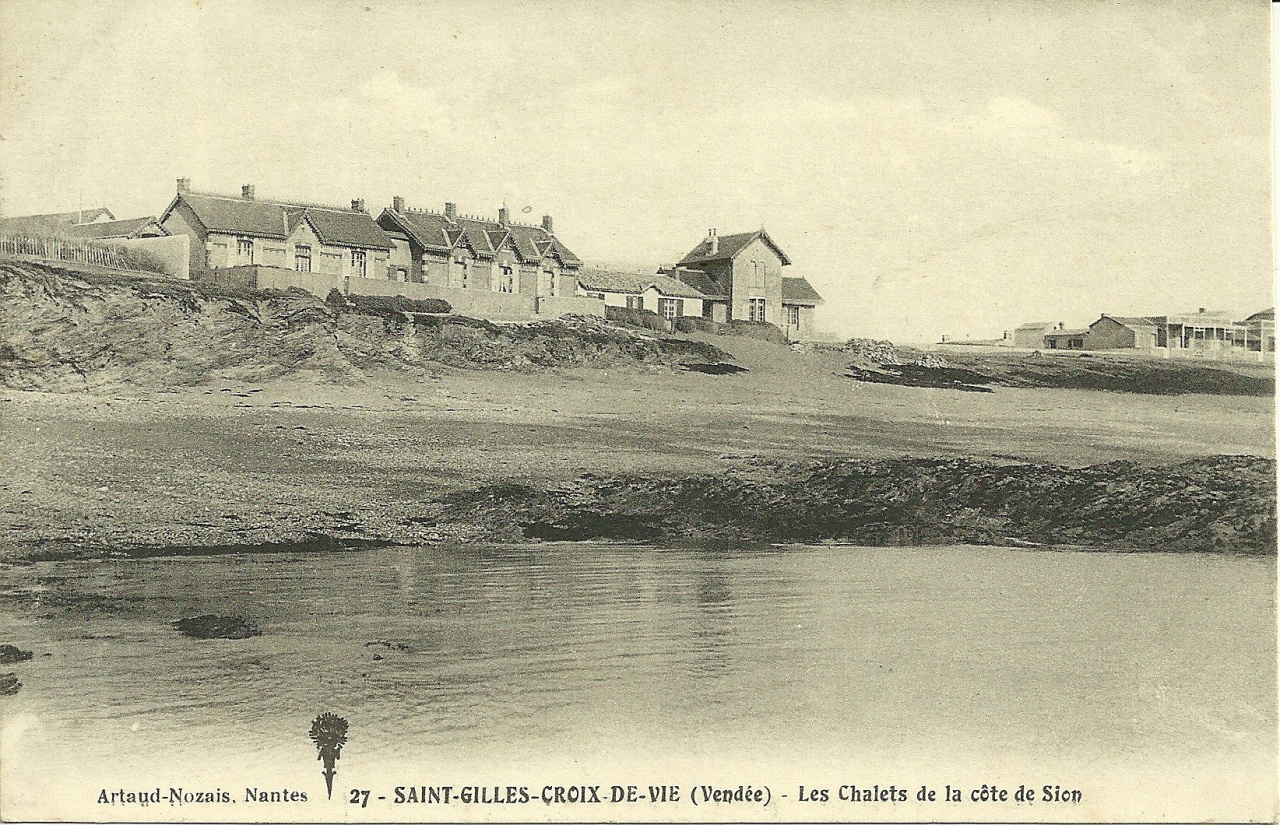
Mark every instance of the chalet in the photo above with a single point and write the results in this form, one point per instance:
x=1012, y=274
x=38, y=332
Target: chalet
x=660, y=293
x=741, y=278
x=228, y=231
x=1123, y=332
x=445, y=249
x=747, y=269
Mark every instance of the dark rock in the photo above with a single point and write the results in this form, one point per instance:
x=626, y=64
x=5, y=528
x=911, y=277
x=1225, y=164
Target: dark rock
x=10, y=654
x=217, y=627
x=9, y=684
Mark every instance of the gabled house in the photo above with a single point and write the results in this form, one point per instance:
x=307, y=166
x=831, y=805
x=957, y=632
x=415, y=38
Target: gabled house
x=1122, y=332
x=228, y=231
x=745, y=268
x=660, y=293
x=446, y=249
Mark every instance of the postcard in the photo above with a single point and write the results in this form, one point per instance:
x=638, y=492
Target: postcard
x=637, y=411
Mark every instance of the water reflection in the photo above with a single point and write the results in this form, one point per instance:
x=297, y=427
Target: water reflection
x=570, y=646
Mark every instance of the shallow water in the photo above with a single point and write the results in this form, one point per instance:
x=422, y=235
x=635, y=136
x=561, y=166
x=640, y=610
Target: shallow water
x=932, y=662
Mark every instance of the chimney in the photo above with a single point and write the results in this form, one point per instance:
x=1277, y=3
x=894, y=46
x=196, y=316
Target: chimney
x=547, y=225
x=246, y=191
x=503, y=215
x=1005, y=336
x=357, y=204
x=1062, y=325
x=451, y=211
x=397, y=204
x=184, y=184
x=1202, y=310
x=713, y=241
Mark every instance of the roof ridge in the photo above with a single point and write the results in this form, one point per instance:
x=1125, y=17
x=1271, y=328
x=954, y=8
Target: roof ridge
x=276, y=202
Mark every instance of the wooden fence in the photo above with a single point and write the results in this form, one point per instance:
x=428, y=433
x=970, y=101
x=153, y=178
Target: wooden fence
x=79, y=251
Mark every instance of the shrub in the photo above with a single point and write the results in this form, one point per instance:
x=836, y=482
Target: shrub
x=693, y=323
x=639, y=318
x=755, y=329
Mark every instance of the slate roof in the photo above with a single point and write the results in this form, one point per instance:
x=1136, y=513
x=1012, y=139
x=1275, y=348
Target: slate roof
x=603, y=280
x=54, y=220
x=729, y=247
x=1035, y=325
x=1264, y=315
x=277, y=219
x=1131, y=321
x=711, y=290
x=113, y=229
x=432, y=230
x=1065, y=333
x=799, y=291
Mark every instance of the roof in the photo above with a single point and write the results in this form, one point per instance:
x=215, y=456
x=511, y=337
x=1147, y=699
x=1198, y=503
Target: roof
x=1035, y=325
x=1130, y=321
x=277, y=219
x=798, y=291
x=1264, y=315
x=729, y=246
x=54, y=220
x=113, y=229
x=711, y=289
x=432, y=230
x=1065, y=333
x=607, y=281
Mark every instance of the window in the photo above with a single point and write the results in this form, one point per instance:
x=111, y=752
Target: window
x=755, y=308
x=302, y=258
x=635, y=302
x=708, y=309
x=599, y=296
x=244, y=248
x=671, y=307
x=793, y=316
x=466, y=274
x=507, y=280
x=357, y=261
x=551, y=283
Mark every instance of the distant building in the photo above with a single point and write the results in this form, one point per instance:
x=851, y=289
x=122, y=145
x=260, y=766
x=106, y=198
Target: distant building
x=800, y=302
x=1061, y=338
x=148, y=227
x=228, y=231
x=662, y=294
x=1031, y=336
x=1202, y=330
x=446, y=249
x=1260, y=331
x=1122, y=332
x=54, y=222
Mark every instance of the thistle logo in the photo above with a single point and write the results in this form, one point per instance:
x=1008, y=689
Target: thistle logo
x=329, y=732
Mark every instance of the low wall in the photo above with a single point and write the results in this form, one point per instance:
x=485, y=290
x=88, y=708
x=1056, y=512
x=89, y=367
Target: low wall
x=558, y=306
x=173, y=252
x=474, y=303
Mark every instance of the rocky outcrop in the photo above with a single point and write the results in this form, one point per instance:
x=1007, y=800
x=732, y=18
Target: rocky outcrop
x=68, y=330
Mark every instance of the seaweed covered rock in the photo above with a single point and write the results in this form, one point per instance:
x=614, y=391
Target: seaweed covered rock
x=10, y=654
x=210, y=626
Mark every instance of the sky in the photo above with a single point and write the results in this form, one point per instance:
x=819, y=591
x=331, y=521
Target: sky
x=933, y=168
